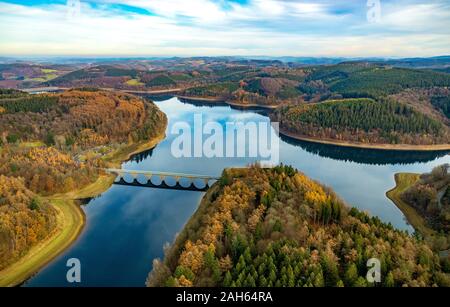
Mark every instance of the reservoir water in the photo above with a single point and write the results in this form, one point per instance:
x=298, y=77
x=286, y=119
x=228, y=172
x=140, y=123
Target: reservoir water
x=127, y=227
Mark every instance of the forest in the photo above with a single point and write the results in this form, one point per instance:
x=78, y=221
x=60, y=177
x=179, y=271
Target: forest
x=277, y=85
x=55, y=143
x=442, y=103
x=223, y=90
x=25, y=219
x=79, y=118
x=363, y=120
x=278, y=228
x=430, y=196
x=374, y=81
x=274, y=83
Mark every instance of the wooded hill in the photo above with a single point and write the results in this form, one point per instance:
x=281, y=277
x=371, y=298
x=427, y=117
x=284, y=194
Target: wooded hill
x=425, y=92
x=25, y=219
x=266, y=82
x=363, y=120
x=54, y=144
x=276, y=227
x=430, y=196
x=369, y=80
x=82, y=118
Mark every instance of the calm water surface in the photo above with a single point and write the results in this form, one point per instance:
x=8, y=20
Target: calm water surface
x=127, y=227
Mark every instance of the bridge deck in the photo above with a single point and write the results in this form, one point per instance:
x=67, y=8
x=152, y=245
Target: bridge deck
x=164, y=174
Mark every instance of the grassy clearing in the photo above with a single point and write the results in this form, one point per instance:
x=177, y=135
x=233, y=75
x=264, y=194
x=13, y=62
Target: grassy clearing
x=70, y=222
x=134, y=82
x=48, y=71
x=31, y=144
x=49, y=74
x=403, y=182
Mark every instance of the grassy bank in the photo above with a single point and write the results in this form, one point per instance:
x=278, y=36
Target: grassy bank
x=403, y=182
x=70, y=220
x=125, y=153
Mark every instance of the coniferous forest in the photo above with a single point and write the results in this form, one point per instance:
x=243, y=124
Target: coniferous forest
x=278, y=228
x=363, y=120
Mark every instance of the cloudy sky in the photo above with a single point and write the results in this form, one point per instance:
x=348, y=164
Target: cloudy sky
x=225, y=27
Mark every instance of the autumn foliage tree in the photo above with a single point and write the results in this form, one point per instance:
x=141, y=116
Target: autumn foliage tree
x=25, y=219
x=278, y=228
x=53, y=144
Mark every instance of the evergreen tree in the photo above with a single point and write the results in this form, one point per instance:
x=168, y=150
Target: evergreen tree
x=360, y=282
x=262, y=281
x=228, y=279
x=351, y=274
x=389, y=281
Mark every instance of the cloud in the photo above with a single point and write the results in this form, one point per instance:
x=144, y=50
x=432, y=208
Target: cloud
x=220, y=27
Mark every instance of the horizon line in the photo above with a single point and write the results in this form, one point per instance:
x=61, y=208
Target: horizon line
x=221, y=56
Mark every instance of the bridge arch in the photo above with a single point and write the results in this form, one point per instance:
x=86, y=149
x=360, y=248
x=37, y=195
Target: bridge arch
x=148, y=175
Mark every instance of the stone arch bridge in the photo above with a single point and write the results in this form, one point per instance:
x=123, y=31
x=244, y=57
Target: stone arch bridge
x=148, y=175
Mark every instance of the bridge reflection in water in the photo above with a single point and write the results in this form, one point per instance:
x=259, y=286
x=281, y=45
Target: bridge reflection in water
x=163, y=176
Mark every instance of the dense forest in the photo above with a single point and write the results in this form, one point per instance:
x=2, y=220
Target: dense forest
x=286, y=86
x=25, y=219
x=278, y=228
x=363, y=120
x=55, y=144
x=109, y=76
x=82, y=118
x=442, y=103
x=222, y=90
x=369, y=80
x=430, y=196
x=46, y=170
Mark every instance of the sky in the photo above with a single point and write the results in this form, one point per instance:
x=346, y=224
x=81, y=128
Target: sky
x=323, y=28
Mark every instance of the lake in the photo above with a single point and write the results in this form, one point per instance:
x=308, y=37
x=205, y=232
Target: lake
x=127, y=227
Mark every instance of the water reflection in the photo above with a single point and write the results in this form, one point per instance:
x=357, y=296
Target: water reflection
x=127, y=227
x=366, y=156
x=139, y=157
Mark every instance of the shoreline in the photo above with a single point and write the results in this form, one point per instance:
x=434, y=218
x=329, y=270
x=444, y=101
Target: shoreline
x=387, y=147
x=402, y=182
x=150, y=92
x=230, y=103
x=70, y=223
x=177, y=244
x=71, y=220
